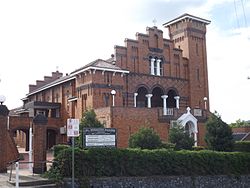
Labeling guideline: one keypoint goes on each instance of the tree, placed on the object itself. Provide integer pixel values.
(88, 120)
(218, 135)
(240, 123)
(181, 138)
(145, 138)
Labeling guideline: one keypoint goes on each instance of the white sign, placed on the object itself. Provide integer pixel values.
(73, 127)
(99, 137)
(100, 140)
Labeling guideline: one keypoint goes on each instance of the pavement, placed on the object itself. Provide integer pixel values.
(24, 173)
(4, 177)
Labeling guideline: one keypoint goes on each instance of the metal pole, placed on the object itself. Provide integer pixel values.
(73, 162)
(30, 149)
(113, 97)
(17, 174)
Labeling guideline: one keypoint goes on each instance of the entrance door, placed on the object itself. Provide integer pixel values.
(51, 138)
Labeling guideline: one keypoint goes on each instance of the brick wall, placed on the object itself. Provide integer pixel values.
(8, 151)
(241, 129)
(130, 120)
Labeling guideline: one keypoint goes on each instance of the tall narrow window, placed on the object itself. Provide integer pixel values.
(161, 68)
(151, 65)
(107, 77)
(155, 41)
(155, 67)
(197, 49)
(198, 74)
(106, 99)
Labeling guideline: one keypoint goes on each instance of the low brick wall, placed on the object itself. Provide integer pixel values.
(222, 181)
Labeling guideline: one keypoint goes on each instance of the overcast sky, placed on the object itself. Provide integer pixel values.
(41, 36)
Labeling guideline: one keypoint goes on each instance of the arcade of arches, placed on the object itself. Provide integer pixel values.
(157, 98)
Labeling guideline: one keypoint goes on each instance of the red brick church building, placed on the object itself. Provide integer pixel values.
(150, 81)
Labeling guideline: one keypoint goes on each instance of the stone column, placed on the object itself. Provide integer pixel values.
(40, 138)
(152, 66)
(149, 99)
(195, 139)
(164, 97)
(158, 73)
(177, 100)
(135, 95)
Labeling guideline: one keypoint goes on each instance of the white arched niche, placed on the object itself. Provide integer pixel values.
(189, 122)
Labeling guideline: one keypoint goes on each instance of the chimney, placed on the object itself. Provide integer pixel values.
(32, 88)
(56, 75)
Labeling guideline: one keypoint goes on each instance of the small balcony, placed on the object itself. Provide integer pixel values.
(174, 114)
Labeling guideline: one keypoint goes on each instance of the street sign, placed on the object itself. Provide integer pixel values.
(73, 131)
(72, 127)
(99, 137)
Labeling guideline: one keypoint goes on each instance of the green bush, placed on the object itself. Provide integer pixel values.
(58, 148)
(242, 146)
(136, 162)
(145, 138)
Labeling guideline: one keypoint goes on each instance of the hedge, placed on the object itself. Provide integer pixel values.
(135, 162)
(242, 146)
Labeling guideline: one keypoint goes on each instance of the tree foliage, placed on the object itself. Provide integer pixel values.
(88, 120)
(145, 138)
(218, 135)
(181, 138)
(240, 123)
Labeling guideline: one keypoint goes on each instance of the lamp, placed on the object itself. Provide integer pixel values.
(113, 92)
(205, 102)
(2, 99)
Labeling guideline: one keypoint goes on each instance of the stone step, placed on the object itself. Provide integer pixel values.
(33, 181)
(42, 186)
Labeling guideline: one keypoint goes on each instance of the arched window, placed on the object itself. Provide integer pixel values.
(197, 49)
(155, 66)
(156, 98)
(156, 41)
(141, 98)
(189, 128)
(171, 103)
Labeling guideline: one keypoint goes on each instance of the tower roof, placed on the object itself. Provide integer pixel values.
(186, 16)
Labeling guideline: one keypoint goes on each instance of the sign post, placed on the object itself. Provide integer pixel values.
(73, 131)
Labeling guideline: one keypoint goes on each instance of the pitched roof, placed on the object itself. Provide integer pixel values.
(51, 84)
(240, 136)
(99, 63)
(184, 16)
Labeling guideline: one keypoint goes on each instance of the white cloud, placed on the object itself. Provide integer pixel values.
(228, 70)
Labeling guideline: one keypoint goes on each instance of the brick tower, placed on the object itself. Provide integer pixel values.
(189, 34)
